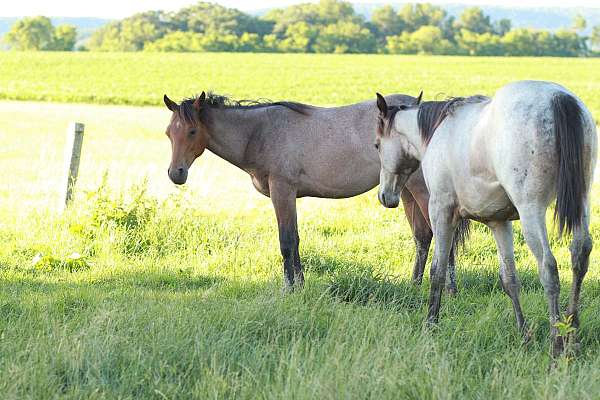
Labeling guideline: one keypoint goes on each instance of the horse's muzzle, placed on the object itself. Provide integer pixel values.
(389, 200)
(178, 175)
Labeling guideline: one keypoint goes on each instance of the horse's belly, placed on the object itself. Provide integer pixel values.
(489, 203)
(339, 191)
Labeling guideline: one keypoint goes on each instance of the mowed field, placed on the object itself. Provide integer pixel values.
(146, 290)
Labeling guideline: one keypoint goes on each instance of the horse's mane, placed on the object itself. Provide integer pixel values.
(188, 113)
(432, 113)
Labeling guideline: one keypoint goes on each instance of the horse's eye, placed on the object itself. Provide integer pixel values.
(192, 132)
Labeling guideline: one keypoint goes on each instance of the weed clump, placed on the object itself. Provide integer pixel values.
(48, 263)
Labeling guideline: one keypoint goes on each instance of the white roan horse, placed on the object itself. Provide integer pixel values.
(495, 160)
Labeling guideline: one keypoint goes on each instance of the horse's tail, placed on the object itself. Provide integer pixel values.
(571, 185)
(461, 234)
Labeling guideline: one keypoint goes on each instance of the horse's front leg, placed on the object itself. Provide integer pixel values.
(421, 233)
(443, 228)
(283, 196)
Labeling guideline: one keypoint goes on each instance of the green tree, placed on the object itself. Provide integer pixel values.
(333, 11)
(130, 34)
(415, 16)
(430, 40)
(38, 33)
(345, 37)
(569, 44)
(142, 28)
(177, 41)
(31, 33)
(425, 40)
(387, 21)
(400, 44)
(282, 18)
(65, 37)
(502, 27)
(206, 17)
(249, 42)
(108, 38)
(519, 42)
(479, 44)
(299, 38)
(473, 19)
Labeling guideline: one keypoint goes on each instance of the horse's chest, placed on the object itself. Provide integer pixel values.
(260, 182)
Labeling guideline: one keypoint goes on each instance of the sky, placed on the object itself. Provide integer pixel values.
(124, 8)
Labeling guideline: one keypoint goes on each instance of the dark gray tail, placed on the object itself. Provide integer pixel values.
(461, 234)
(571, 185)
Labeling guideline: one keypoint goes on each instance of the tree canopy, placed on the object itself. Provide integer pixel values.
(38, 33)
(329, 26)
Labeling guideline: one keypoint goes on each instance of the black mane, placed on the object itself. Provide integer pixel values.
(213, 100)
(432, 113)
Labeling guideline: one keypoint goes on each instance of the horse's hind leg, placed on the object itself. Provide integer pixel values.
(503, 233)
(581, 247)
(421, 233)
(533, 223)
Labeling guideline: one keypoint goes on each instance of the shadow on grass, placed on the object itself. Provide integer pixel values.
(360, 283)
(487, 280)
(167, 281)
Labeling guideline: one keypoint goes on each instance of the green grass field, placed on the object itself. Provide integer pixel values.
(144, 290)
(143, 78)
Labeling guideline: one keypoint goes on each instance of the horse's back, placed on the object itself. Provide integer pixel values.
(329, 152)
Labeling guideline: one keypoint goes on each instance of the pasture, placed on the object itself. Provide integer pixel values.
(145, 290)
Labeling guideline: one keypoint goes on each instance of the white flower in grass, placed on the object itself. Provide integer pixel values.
(38, 257)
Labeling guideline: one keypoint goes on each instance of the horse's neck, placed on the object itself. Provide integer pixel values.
(410, 128)
(230, 131)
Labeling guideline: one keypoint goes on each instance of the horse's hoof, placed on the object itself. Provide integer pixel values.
(299, 281)
(558, 346)
(288, 287)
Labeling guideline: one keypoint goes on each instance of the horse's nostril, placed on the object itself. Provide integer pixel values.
(180, 170)
(383, 197)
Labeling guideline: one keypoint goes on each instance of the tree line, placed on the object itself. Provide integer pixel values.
(330, 26)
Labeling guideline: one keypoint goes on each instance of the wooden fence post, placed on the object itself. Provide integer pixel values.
(72, 158)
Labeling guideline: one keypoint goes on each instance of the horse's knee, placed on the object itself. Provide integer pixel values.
(549, 275)
(423, 236)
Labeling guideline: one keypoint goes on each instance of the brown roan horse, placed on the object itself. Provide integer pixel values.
(292, 150)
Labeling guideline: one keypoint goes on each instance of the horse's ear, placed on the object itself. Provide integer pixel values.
(199, 102)
(171, 105)
(420, 98)
(382, 104)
